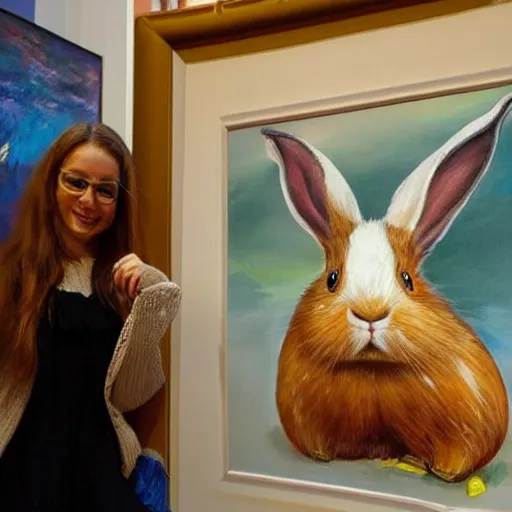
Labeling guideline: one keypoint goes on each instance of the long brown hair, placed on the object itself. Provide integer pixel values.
(32, 258)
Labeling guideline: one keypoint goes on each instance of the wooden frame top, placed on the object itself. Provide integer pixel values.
(208, 31)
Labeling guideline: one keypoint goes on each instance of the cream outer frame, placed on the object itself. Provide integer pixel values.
(450, 53)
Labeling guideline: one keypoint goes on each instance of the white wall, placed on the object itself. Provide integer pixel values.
(106, 28)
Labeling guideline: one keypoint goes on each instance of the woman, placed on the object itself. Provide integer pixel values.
(81, 318)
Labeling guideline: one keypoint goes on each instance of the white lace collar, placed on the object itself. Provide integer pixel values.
(77, 277)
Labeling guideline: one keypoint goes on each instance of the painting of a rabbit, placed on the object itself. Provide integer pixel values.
(362, 351)
(375, 362)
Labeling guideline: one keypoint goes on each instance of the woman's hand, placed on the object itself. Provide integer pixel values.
(126, 274)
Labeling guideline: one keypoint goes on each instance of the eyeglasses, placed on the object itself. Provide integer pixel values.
(106, 191)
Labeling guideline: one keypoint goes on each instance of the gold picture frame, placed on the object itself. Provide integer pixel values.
(222, 30)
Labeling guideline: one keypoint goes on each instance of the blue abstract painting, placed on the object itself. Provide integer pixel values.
(23, 8)
(288, 318)
(46, 85)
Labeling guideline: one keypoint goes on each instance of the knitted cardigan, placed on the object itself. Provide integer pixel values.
(135, 373)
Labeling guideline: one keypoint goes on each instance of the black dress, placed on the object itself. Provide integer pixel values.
(64, 456)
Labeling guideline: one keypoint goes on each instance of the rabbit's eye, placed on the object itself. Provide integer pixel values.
(332, 280)
(407, 279)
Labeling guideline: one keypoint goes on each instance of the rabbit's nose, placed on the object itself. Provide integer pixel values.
(371, 316)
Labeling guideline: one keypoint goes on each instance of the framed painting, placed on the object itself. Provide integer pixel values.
(46, 84)
(344, 341)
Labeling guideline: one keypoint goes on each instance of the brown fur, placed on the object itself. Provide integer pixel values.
(333, 406)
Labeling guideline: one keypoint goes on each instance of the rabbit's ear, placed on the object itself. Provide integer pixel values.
(431, 197)
(312, 186)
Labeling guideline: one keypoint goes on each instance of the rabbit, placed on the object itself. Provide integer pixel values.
(375, 364)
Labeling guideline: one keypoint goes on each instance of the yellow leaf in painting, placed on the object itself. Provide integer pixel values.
(404, 466)
(389, 463)
(411, 469)
(475, 487)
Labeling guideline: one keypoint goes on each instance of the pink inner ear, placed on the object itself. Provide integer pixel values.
(452, 183)
(306, 185)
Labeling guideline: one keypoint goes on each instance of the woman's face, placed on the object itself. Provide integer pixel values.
(87, 193)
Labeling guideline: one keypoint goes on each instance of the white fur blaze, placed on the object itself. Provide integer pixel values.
(370, 268)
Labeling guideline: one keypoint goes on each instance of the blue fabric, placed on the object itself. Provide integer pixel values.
(152, 483)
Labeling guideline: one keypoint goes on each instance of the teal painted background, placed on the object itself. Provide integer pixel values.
(272, 260)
